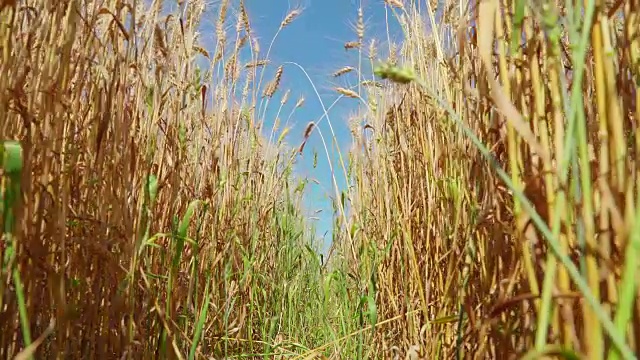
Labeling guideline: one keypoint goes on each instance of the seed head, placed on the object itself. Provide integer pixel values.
(370, 83)
(360, 25)
(395, 3)
(347, 92)
(285, 97)
(344, 70)
(290, 17)
(257, 63)
(272, 87)
(351, 45)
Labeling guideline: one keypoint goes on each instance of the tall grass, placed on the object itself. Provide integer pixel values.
(495, 202)
(147, 216)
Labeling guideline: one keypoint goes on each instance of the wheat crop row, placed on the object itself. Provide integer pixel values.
(150, 208)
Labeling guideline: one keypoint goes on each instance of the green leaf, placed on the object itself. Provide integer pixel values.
(372, 312)
(395, 73)
(12, 158)
(152, 188)
(518, 19)
(186, 219)
(201, 320)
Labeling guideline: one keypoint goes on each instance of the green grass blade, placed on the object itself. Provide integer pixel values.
(201, 320)
(12, 164)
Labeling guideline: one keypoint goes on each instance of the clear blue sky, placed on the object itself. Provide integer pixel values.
(315, 40)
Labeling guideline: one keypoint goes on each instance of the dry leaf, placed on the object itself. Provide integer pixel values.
(31, 349)
(412, 353)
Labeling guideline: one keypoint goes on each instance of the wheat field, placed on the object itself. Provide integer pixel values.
(149, 213)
